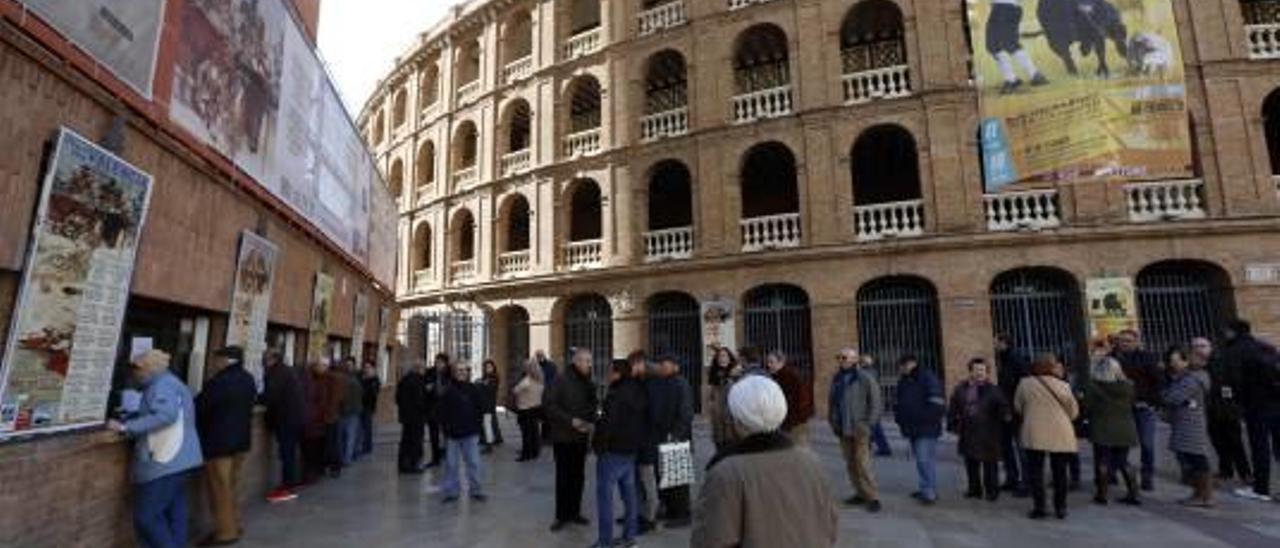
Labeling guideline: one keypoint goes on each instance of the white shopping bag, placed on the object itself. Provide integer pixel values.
(675, 464)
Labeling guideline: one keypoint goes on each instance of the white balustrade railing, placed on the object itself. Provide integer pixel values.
(469, 91)
(665, 16)
(582, 143)
(463, 270)
(424, 194)
(430, 110)
(421, 279)
(513, 262)
(466, 176)
(766, 103)
(771, 232)
(881, 83)
(1029, 210)
(516, 162)
(582, 44)
(1165, 200)
(517, 70)
(739, 4)
(891, 220)
(584, 254)
(670, 243)
(1264, 41)
(664, 124)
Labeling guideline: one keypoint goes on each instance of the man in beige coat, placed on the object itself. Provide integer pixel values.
(763, 491)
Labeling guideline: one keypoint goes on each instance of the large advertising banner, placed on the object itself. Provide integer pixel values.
(1113, 306)
(321, 314)
(251, 300)
(123, 35)
(359, 318)
(1073, 90)
(67, 323)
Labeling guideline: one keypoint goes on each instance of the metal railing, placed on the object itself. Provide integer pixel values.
(670, 243)
(1165, 200)
(664, 16)
(671, 123)
(517, 70)
(466, 176)
(584, 254)
(469, 91)
(582, 143)
(581, 44)
(1029, 210)
(771, 232)
(766, 103)
(519, 161)
(881, 83)
(891, 220)
(514, 262)
(463, 270)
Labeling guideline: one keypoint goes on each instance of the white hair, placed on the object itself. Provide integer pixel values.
(757, 404)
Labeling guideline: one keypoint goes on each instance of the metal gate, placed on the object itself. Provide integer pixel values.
(517, 351)
(898, 316)
(1179, 300)
(1040, 310)
(776, 317)
(588, 323)
(675, 327)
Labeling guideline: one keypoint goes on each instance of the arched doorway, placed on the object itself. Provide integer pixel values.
(515, 351)
(675, 328)
(1182, 299)
(898, 316)
(776, 317)
(1040, 310)
(588, 323)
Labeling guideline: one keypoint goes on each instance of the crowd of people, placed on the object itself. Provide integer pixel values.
(321, 420)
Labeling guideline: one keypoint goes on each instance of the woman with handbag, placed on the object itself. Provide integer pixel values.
(528, 399)
(1048, 408)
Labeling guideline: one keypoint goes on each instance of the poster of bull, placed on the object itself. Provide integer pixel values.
(251, 300)
(123, 35)
(62, 344)
(1077, 90)
(1113, 306)
(321, 316)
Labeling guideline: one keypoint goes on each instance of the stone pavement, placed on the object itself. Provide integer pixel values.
(372, 506)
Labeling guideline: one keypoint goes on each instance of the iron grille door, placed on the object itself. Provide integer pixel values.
(588, 324)
(1040, 310)
(675, 327)
(517, 344)
(1177, 302)
(897, 317)
(776, 317)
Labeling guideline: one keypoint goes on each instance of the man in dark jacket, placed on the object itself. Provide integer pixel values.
(620, 435)
(352, 408)
(570, 404)
(1222, 409)
(1143, 368)
(549, 374)
(286, 417)
(671, 413)
(411, 406)
(921, 406)
(460, 412)
(1258, 365)
(437, 377)
(317, 395)
(1011, 367)
(370, 388)
(224, 420)
(799, 395)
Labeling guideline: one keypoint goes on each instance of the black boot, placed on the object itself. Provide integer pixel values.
(1131, 486)
(1100, 485)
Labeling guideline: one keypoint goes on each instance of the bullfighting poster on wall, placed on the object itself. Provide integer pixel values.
(1078, 90)
(359, 317)
(62, 344)
(123, 35)
(321, 314)
(717, 327)
(251, 300)
(1113, 306)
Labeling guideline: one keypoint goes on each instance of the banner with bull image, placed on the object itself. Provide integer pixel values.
(1075, 90)
(62, 345)
(1113, 306)
(251, 300)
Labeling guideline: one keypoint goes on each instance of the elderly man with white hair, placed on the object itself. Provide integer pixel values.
(763, 491)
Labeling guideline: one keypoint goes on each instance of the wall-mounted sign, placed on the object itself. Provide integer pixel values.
(251, 300)
(1113, 306)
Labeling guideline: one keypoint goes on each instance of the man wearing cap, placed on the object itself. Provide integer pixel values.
(763, 490)
(224, 418)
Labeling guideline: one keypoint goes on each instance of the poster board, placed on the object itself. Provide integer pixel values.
(122, 35)
(251, 300)
(384, 326)
(63, 340)
(717, 328)
(1112, 306)
(321, 316)
(359, 317)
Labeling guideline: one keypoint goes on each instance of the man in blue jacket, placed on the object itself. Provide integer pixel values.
(921, 406)
(224, 417)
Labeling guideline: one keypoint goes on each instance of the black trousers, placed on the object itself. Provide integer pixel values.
(1264, 440)
(411, 434)
(984, 477)
(530, 437)
(1058, 463)
(1228, 443)
(437, 441)
(675, 501)
(571, 473)
(313, 458)
(1012, 456)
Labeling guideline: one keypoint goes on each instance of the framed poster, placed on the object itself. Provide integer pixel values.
(66, 328)
(384, 325)
(717, 328)
(321, 314)
(251, 300)
(1113, 306)
(359, 318)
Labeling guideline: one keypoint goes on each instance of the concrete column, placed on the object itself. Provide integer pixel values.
(624, 210)
(628, 332)
(820, 214)
(544, 227)
(952, 191)
(811, 77)
(833, 326)
(1241, 188)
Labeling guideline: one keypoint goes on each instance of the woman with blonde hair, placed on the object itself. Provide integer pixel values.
(1108, 403)
(528, 396)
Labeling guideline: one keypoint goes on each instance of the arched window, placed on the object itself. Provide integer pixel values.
(588, 324)
(465, 146)
(400, 108)
(464, 236)
(1182, 299)
(769, 181)
(1039, 310)
(584, 104)
(898, 316)
(516, 216)
(872, 37)
(517, 37)
(517, 120)
(395, 182)
(675, 329)
(379, 128)
(666, 83)
(429, 84)
(422, 248)
(426, 164)
(776, 317)
(584, 15)
(761, 59)
(1271, 125)
(586, 212)
(469, 63)
(670, 196)
(885, 166)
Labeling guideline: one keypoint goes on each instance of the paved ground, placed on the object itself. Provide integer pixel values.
(372, 506)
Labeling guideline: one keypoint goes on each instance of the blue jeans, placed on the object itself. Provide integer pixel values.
(611, 469)
(456, 450)
(160, 512)
(366, 434)
(1145, 418)
(880, 440)
(926, 453)
(349, 432)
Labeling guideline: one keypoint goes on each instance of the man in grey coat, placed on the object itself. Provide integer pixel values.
(855, 408)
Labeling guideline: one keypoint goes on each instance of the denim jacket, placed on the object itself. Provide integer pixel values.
(164, 430)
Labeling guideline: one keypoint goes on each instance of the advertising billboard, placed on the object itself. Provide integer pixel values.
(123, 35)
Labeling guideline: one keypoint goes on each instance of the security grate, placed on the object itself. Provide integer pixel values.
(1040, 310)
(675, 327)
(776, 317)
(898, 316)
(1179, 300)
(588, 323)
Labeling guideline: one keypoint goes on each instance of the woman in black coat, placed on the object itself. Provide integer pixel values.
(489, 383)
(977, 413)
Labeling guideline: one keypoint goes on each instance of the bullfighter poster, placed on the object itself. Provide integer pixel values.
(384, 326)
(66, 329)
(251, 300)
(359, 317)
(122, 35)
(1078, 90)
(1113, 306)
(717, 327)
(321, 314)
